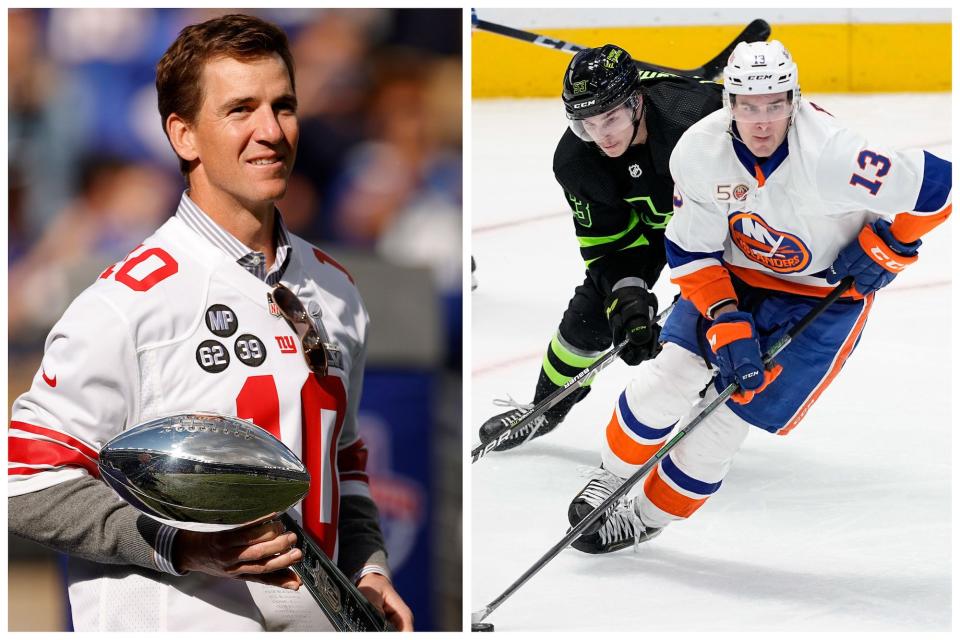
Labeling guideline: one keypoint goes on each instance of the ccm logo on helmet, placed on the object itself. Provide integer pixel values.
(778, 251)
(581, 105)
(760, 76)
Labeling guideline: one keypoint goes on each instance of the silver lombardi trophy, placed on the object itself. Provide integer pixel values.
(207, 472)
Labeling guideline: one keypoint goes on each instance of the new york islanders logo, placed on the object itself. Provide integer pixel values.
(778, 251)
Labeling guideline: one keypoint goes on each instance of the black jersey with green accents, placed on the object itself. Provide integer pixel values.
(621, 206)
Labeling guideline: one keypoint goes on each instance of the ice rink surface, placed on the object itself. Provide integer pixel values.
(842, 525)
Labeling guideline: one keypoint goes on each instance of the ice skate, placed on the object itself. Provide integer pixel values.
(601, 486)
(492, 428)
(618, 529)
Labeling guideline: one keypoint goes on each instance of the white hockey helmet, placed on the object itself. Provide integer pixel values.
(760, 68)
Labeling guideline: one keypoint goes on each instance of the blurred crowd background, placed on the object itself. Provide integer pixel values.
(378, 182)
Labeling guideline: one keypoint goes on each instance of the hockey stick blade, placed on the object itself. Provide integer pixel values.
(556, 396)
(638, 475)
(754, 32)
(478, 615)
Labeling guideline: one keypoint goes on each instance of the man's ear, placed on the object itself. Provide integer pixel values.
(182, 138)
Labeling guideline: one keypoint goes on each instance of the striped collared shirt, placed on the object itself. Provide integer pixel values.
(253, 261)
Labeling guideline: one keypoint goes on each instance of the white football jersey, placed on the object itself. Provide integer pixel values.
(175, 327)
(780, 225)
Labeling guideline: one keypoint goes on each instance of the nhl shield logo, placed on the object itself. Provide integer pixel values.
(635, 171)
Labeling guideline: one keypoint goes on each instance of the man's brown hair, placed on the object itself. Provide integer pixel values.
(179, 72)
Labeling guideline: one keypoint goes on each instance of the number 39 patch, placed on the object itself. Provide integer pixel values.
(212, 356)
(250, 350)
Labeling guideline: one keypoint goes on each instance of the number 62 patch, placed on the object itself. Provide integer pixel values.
(212, 356)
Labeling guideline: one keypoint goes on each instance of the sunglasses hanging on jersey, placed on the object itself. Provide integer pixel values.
(293, 311)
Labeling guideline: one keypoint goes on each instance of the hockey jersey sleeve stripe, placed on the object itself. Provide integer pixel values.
(706, 287)
(909, 228)
(702, 277)
(838, 362)
(46, 452)
(59, 436)
(937, 183)
(679, 258)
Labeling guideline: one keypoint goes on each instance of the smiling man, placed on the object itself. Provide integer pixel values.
(192, 320)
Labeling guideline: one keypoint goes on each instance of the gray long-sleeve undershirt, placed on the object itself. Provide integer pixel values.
(85, 518)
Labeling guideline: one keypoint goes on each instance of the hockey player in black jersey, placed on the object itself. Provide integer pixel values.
(613, 165)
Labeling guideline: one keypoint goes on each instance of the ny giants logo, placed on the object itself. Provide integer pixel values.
(287, 344)
(778, 251)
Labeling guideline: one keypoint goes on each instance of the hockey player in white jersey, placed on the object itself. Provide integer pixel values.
(774, 203)
(192, 321)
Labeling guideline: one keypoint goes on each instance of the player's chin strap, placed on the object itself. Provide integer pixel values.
(639, 118)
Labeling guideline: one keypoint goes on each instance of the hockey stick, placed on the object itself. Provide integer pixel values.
(757, 30)
(768, 358)
(556, 396)
(342, 603)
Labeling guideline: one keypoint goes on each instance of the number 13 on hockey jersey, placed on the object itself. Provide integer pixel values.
(882, 164)
(322, 408)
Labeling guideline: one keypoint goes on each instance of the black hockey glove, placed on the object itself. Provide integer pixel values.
(631, 312)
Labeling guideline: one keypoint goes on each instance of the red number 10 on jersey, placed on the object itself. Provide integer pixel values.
(322, 406)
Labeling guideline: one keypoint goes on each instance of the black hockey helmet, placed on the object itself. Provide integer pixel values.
(598, 80)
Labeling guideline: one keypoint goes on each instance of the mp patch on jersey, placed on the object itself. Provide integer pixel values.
(758, 241)
(221, 320)
(250, 350)
(212, 356)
